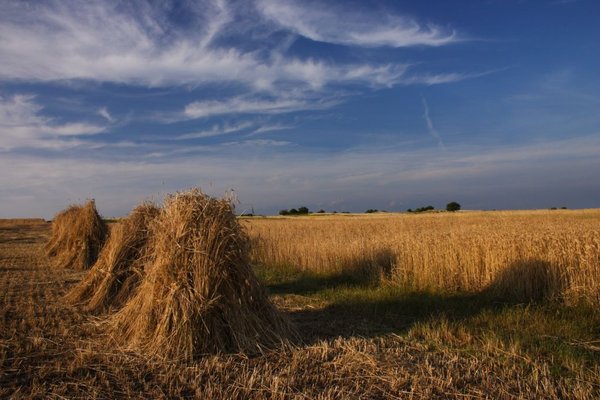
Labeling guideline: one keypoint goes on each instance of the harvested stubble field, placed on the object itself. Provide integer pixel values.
(470, 305)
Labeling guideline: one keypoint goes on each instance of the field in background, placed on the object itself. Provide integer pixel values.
(522, 255)
(387, 306)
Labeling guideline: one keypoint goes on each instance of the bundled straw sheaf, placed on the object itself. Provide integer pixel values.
(199, 294)
(120, 266)
(78, 234)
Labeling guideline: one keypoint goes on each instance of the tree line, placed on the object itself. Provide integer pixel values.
(451, 207)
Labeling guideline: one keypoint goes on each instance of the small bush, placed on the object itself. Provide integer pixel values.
(423, 209)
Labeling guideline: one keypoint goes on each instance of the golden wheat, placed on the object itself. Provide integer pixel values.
(523, 255)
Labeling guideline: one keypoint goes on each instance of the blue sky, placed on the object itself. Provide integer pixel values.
(340, 105)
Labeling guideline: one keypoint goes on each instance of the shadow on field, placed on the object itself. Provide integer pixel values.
(364, 272)
(362, 307)
(373, 317)
(528, 280)
(311, 284)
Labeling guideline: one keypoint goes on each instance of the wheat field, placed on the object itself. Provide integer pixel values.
(386, 307)
(522, 255)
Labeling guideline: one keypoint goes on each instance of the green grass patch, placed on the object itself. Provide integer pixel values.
(567, 337)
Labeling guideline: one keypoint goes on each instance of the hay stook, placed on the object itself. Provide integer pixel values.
(120, 266)
(199, 294)
(78, 234)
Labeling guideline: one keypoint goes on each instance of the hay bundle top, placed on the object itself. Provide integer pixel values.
(120, 266)
(199, 294)
(78, 234)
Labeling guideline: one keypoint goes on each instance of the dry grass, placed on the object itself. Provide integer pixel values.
(373, 342)
(517, 255)
(120, 265)
(78, 234)
(199, 294)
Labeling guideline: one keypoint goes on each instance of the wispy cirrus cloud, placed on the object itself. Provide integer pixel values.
(431, 79)
(265, 128)
(249, 128)
(430, 128)
(218, 44)
(249, 105)
(103, 112)
(110, 41)
(22, 125)
(336, 24)
(217, 130)
(141, 45)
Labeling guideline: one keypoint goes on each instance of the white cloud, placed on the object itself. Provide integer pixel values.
(115, 42)
(139, 45)
(324, 23)
(71, 129)
(217, 43)
(272, 128)
(246, 105)
(266, 174)
(219, 18)
(252, 127)
(23, 126)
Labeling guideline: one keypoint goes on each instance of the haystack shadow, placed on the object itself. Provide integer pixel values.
(399, 310)
(528, 280)
(366, 271)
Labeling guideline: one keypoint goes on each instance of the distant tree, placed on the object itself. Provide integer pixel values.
(426, 208)
(452, 206)
(284, 212)
(321, 211)
(563, 208)
(303, 210)
(409, 210)
(293, 211)
(371, 210)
